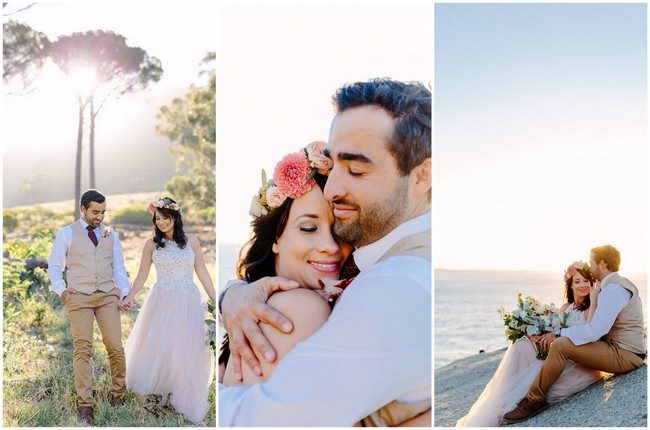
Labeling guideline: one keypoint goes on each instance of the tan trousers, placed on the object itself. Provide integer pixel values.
(82, 311)
(600, 355)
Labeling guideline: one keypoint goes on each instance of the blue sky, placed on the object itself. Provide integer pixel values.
(540, 134)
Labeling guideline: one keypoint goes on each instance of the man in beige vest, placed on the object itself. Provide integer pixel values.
(96, 283)
(613, 341)
(372, 357)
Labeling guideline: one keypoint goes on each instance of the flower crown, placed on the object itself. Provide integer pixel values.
(293, 176)
(164, 202)
(573, 269)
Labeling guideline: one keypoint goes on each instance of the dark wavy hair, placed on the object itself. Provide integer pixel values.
(256, 258)
(568, 291)
(178, 235)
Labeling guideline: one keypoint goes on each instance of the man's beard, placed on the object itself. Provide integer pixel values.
(376, 220)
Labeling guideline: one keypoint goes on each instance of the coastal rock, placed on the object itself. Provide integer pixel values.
(616, 401)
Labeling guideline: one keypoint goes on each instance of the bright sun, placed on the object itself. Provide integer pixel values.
(83, 79)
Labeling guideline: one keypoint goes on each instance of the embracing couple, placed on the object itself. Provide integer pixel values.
(605, 334)
(338, 275)
(166, 352)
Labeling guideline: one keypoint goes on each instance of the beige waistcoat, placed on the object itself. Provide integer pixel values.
(627, 331)
(90, 267)
(395, 413)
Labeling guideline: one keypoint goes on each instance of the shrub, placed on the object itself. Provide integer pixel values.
(10, 221)
(134, 214)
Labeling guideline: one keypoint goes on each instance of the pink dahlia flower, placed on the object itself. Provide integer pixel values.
(291, 173)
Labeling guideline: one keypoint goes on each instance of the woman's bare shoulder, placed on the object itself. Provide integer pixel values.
(564, 307)
(304, 307)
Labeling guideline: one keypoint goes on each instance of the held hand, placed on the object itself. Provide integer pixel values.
(546, 340)
(594, 292)
(243, 307)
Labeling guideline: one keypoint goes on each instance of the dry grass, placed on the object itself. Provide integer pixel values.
(38, 382)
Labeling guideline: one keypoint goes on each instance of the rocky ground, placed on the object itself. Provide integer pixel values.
(617, 401)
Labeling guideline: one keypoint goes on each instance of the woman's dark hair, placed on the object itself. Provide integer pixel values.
(178, 235)
(256, 258)
(568, 292)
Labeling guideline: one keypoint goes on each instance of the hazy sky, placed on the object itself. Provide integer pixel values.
(540, 134)
(40, 128)
(275, 78)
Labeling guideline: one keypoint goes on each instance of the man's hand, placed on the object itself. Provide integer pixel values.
(243, 307)
(65, 295)
(125, 304)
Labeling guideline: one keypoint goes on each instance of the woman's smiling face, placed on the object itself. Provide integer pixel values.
(307, 251)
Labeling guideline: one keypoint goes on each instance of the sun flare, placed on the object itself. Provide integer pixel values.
(83, 79)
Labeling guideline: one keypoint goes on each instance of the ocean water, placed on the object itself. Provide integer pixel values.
(466, 304)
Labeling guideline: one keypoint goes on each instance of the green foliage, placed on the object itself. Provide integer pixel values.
(36, 220)
(134, 214)
(189, 122)
(40, 246)
(9, 221)
(25, 50)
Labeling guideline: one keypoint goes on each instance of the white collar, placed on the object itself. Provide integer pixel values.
(366, 256)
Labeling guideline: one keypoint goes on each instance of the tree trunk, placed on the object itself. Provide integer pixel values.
(77, 183)
(92, 143)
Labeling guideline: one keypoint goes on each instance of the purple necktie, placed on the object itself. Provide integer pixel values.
(91, 235)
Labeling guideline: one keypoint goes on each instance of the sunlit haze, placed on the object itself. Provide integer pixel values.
(540, 137)
(40, 128)
(275, 79)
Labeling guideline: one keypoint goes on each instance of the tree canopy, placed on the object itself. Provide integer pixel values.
(189, 122)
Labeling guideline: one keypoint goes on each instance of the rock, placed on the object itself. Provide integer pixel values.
(616, 401)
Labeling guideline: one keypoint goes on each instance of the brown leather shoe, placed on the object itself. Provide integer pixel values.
(86, 415)
(116, 401)
(524, 410)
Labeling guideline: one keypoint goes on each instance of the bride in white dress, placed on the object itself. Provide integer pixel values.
(519, 366)
(166, 353)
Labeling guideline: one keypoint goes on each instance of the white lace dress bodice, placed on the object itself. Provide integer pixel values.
(174, 267)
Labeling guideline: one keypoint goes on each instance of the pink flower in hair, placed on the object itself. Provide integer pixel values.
(316, 157)
(274, 198)
(291, 175)
(571, 271)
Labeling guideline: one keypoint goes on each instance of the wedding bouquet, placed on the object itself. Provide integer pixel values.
(210, 334)
(532, 317)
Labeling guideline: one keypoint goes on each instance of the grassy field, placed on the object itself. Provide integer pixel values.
(38, 381)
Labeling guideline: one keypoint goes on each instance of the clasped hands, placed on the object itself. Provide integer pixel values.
(126, 303)
(544, 340)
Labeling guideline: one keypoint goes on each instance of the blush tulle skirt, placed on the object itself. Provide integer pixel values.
(512, 380)
(166, 351)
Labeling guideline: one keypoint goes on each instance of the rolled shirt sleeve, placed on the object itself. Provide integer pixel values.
(374, 348)
(119, 269)
(611, 301)
(56, 262)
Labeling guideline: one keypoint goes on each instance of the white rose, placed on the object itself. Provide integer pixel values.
(257, 209)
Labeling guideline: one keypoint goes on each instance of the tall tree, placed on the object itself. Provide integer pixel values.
(25, 50)
(117, 69)
(189, 122)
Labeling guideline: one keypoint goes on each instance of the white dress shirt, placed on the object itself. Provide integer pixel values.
(374, 348)
(56, 262)
(611, 301)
